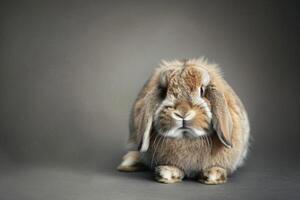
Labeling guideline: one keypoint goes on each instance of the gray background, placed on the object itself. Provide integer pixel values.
(70, 71)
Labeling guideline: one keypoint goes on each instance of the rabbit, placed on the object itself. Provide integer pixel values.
(187, 122)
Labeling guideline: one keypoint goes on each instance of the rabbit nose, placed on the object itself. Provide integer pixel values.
(178, 115)
(184, 116)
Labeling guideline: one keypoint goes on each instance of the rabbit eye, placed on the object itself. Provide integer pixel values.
(202, 90)
(162, 92)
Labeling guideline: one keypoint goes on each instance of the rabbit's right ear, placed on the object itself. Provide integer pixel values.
(142, 117)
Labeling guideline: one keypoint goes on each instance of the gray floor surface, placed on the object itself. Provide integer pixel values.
(36, 182)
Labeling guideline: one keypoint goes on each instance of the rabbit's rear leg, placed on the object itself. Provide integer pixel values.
(131, 162)
(168, 174)
(213, 175)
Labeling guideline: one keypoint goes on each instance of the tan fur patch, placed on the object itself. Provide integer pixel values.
(192, 78)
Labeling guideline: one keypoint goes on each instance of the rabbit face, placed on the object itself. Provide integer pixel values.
(185, 111)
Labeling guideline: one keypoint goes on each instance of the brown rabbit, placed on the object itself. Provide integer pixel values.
(187, 122)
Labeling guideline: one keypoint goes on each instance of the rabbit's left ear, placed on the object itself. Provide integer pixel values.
(221, 118)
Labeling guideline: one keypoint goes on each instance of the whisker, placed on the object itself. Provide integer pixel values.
(160, 144)
(210, 143)
(155, 149)
(156, 136)
(204, 140)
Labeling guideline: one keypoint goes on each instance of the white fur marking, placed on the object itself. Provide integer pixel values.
(190, 115)
(130, 159)
(174, 133)
(200, 132)
(146, 136)
(178, 132)
(166, 174)
(128, 162)
(213, 176)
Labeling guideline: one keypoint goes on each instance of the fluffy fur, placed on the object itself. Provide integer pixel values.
(188, 120)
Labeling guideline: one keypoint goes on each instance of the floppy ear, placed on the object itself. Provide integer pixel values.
(151, 102)
(221, 118)
(142, 114)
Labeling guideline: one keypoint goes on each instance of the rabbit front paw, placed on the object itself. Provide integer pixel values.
(213, 176)
(168, 174)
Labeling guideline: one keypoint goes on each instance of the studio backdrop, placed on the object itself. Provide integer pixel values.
(70, 71)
